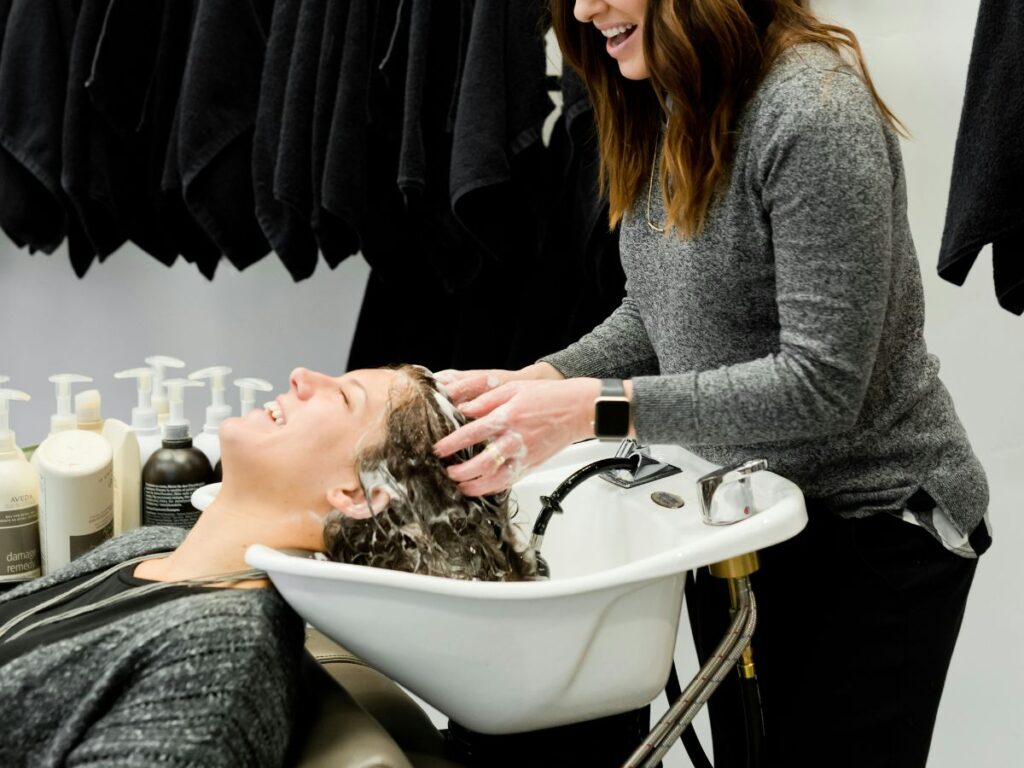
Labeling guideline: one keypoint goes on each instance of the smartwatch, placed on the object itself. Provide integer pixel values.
(612, 411)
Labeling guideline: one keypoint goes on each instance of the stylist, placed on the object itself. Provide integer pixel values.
(774, 309)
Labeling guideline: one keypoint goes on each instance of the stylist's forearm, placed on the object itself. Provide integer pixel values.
(541, 371)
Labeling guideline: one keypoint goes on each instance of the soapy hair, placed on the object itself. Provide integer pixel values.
(428, 526)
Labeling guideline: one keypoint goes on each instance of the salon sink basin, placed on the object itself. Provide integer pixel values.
(594, 640)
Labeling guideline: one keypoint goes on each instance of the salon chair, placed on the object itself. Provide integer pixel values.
(352, 716)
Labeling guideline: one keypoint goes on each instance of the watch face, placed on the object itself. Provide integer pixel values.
(611, 417)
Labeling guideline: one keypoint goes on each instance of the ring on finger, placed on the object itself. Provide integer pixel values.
(496, 455)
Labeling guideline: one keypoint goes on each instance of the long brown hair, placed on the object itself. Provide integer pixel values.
(707, 56)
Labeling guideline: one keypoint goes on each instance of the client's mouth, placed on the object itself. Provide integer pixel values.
(273, 410)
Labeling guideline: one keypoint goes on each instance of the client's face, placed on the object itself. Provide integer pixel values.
(310, 449)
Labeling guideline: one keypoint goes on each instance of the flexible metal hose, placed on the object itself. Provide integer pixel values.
(681, 713)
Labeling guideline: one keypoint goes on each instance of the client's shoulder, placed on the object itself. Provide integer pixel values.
(230, 621)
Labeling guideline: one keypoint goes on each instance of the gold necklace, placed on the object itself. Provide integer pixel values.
(650, 190)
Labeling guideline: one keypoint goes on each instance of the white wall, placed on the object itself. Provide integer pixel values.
(262, 324)
(258, 321)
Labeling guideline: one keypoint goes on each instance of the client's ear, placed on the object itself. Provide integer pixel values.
(351, 501)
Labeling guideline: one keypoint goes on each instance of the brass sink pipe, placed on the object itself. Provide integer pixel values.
(729, 651)
(736, 571)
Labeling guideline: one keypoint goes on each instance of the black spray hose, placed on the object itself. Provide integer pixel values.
(752, 720)
(553, 503)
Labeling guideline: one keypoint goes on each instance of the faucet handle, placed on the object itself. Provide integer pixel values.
(710, 483)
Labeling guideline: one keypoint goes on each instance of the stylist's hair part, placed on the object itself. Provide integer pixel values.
(706, 57)
(428, 525)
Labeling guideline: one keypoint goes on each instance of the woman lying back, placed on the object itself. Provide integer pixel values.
(160, 647)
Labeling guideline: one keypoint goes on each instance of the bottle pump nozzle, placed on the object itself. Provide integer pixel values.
(143, 415)
(89, 410)
(64, 419)
(250, 387)
(160, 364)
(6, 433)
(4, 379)
(217, 410)
(177, 426)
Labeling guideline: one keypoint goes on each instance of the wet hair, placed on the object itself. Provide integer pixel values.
(429, 526)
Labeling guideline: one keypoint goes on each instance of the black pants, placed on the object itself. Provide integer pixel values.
(857, 620)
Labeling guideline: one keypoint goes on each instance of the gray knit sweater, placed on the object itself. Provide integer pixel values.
(204, 680)
(791, 327)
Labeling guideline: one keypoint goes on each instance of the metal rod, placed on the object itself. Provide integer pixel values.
(685, 708)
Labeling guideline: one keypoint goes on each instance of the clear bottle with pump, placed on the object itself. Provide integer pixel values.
(177, 470)
(125, 447)
(19, 502)
(208, 441)
(160, 364)
(144, 420)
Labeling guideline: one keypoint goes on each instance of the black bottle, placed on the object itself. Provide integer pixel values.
(218, 473)
(170, 477)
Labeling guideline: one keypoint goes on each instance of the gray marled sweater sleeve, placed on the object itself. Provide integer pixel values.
(617, 348)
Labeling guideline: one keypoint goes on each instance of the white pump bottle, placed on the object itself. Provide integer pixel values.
(160, 364)
(4, 380)
(249, 387)
(144, 419)
(126, 457)
(208, 441)
(19, 502)
(63, 420)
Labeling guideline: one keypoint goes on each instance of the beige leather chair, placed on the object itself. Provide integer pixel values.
(352, 716)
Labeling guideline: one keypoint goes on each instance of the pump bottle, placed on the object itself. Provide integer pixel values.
(160, 364)
(4, 380)
(76, 495)
(248, 388)
(144, 423)
(208, 441)
(177, 470)
(63, 419)
(125, 447)
(19, 503)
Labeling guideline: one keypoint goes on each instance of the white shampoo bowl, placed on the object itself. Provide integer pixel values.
(594, 640)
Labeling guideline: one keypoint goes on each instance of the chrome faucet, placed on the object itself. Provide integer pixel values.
(647, 469)
(713, 481)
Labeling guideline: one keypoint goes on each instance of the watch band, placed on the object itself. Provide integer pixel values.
(612, 388)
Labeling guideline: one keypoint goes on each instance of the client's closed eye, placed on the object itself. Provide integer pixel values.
(347, 403)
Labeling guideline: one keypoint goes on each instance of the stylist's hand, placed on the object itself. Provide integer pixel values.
(525, 422)
(463, 386)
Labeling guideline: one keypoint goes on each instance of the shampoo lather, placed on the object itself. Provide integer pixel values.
(19, 503)
(177, 470)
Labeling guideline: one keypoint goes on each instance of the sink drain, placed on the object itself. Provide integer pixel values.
(664, 499)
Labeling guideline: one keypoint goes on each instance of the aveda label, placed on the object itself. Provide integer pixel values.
(19, 542)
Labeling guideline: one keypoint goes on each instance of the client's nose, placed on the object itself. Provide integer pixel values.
(305, 382)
